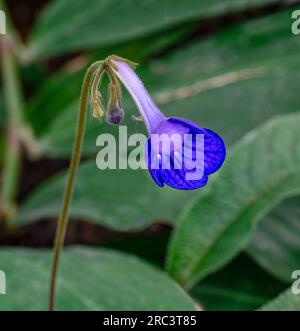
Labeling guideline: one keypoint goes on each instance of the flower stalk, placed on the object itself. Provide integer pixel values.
(75, 159)
(13, 100)
(12, 158)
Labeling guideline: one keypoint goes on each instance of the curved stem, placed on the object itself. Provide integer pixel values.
(97, 80)
(75, 159)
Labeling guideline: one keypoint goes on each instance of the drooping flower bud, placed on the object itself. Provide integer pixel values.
(97, 108)
(115, 115)
(115, 112)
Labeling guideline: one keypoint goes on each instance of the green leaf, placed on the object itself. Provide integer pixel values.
(227, 82)
(119, 199)
(275, 244)
(70, 25)
(287, 301)
(241, 285)
(260, 171)
(150, 246)
(50, 102)
(89, 279)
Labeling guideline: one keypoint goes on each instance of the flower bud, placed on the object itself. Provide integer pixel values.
(115, 115)
(97, 107)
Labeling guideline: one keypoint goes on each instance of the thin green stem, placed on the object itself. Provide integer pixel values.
(75, 159)
(113, 78)
(97, 80)
(10, 177)
(14, 108)
(18, 131)
(20, 51)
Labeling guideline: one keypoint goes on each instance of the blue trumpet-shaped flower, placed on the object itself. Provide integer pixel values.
(179, 153)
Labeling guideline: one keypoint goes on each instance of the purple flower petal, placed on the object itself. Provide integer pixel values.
(214, 155)
(151, 114)
(200, 157)
(214, 147)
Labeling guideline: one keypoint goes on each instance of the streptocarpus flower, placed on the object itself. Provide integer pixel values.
(195, 153)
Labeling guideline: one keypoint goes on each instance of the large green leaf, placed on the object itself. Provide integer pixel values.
(275, 244)
(287, 301)
(69, 25)
(227, 82)
(120, 199)
(89, 279)
(241, 285)
(260, 171)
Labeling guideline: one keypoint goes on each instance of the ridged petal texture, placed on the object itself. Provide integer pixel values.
(213, 151)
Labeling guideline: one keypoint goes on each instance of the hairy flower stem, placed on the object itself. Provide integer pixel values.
(75, 159)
